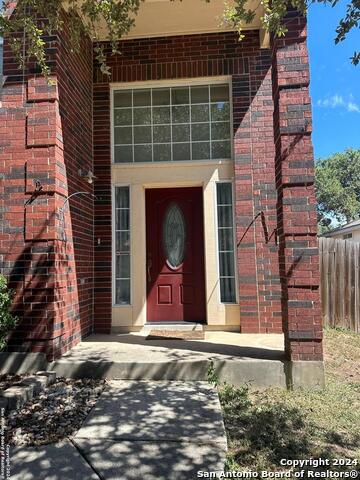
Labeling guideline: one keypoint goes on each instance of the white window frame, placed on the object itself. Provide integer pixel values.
(200, 81)
(113, 246)
(232, 183)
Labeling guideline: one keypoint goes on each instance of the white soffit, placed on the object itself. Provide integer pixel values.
(157, 18)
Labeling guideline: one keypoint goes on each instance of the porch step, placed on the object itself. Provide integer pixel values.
(259, 373)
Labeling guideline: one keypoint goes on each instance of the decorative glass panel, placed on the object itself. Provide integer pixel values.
(123, 116)
(142, 153)
(142, 134)
(142, 98)
(123, 135)
(181, 151)
(220, 112)
(142, 116)
(180, 114)
(122, 246)
(123, 154)
(200, 113)
(200, 94)
(161, 96)
(162, 152)
(162, 134)
(200, 151)
(161, 115)
(219, 93)
(220, 130)
(180, 96)
(181, 133)
(123, 99)
(197, 117)
(200, 131)
(226, 242)
(220, 150)
(174, 236)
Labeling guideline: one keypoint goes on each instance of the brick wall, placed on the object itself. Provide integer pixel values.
(250, 68)
(46, 136)
(269, 296)
(297, 222)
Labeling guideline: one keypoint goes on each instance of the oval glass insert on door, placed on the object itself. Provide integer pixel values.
(174, 236)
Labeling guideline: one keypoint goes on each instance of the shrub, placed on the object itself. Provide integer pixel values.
(7, 320)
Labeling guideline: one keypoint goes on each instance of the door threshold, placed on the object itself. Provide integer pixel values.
(190, 326)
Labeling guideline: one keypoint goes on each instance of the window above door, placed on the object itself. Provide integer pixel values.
(172, 123)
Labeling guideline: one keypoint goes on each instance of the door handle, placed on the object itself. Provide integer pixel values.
(149, 265)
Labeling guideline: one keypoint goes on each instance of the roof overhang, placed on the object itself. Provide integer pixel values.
(343, 230)
(158, 18)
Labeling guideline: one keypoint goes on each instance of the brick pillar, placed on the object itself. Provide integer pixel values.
(45, 137)
(297, 229)
(256, 197)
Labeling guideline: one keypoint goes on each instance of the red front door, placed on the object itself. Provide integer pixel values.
(175, 255)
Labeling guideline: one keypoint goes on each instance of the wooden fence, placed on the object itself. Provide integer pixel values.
(340, 283)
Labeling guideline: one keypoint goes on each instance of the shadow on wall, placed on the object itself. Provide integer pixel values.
(53, 278)
(42, 296)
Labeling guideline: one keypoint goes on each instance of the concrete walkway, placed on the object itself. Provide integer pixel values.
(151, 430)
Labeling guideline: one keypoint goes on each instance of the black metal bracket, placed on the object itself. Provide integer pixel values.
(266, 232)
(37, 191)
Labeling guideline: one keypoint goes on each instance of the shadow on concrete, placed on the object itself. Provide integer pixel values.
(152, 430)
(171, 349)
(132, 357)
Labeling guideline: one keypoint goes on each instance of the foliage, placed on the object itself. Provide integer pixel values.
(34, 19)
(274, 19)
(265, 426)
(338, 187)
(211, 375)
(7, 320)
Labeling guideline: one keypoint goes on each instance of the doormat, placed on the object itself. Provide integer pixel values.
(176, 335)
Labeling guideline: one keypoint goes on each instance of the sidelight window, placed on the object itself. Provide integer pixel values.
(172, 124)
(122, 246)
(226, 243)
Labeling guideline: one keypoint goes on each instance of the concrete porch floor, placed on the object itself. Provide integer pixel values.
(237, 358)
(134, 347)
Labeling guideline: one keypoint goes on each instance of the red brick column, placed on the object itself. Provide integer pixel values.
(45, 137)
(297, 229)
(256, 199)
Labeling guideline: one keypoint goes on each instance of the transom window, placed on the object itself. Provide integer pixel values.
(172, 124)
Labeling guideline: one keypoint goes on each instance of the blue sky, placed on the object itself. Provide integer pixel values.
(335, 82)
